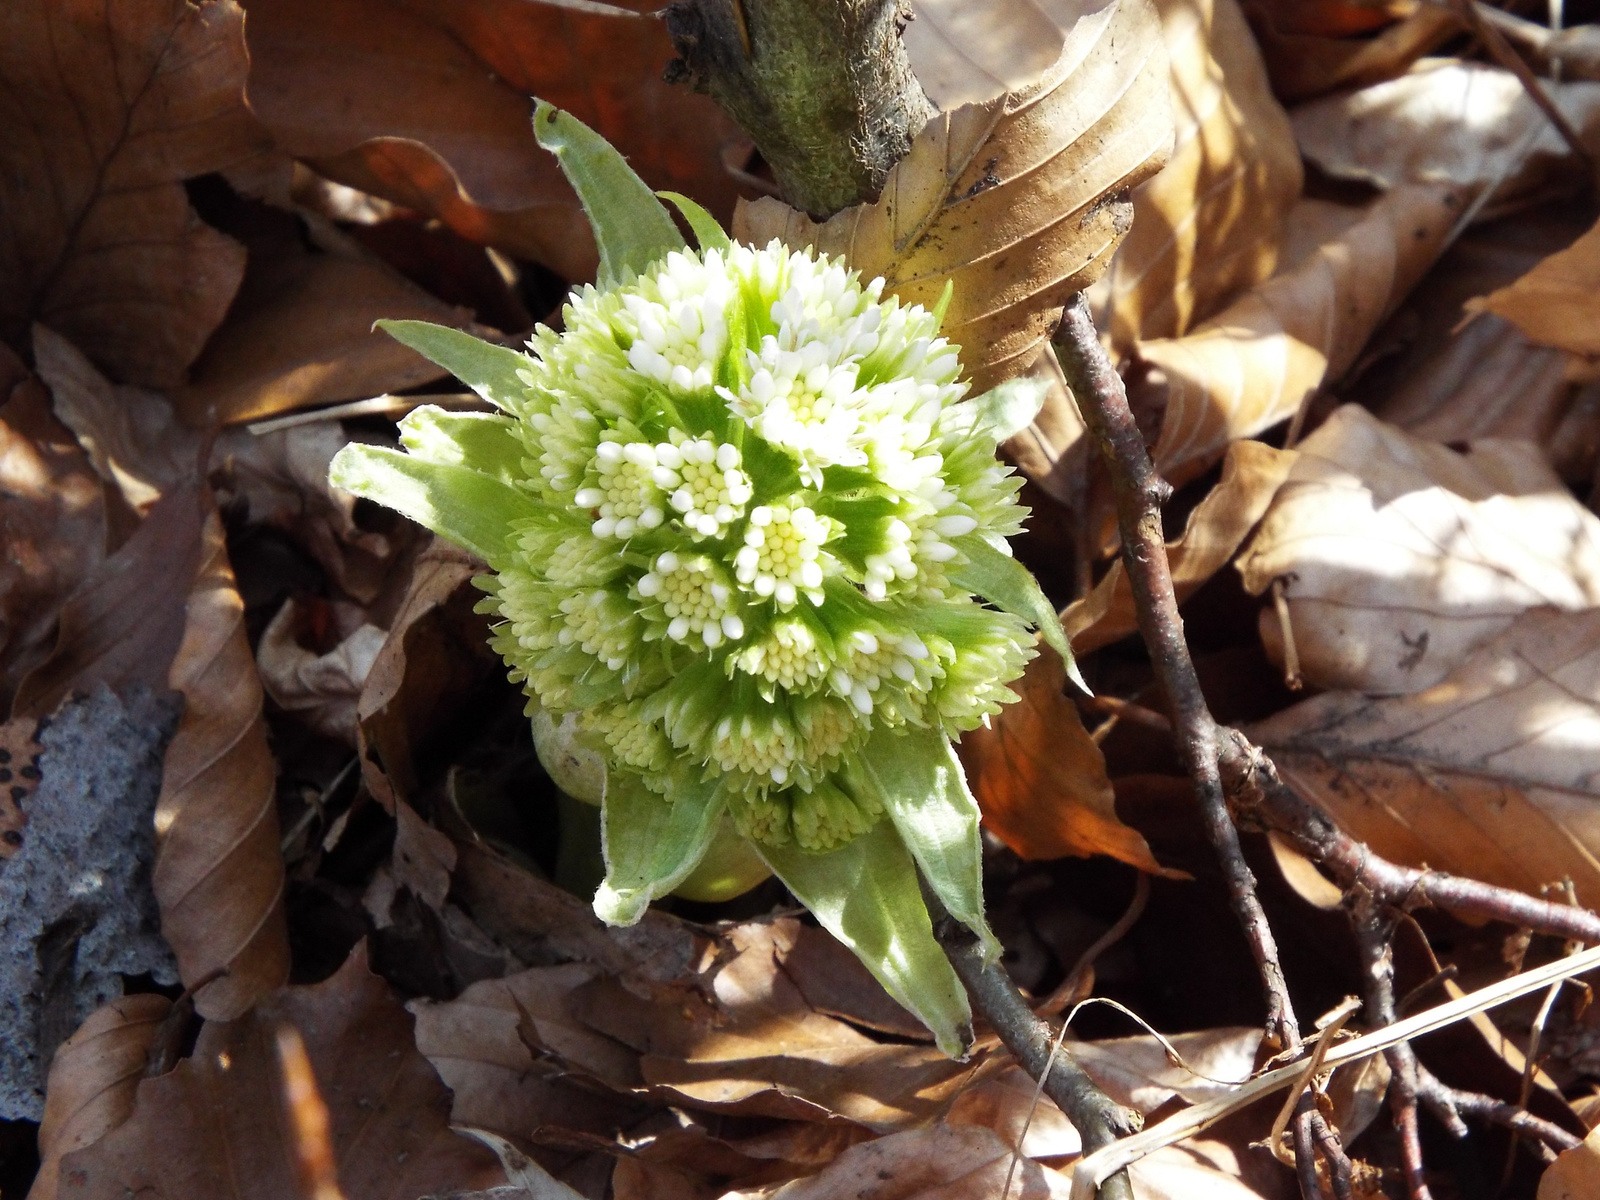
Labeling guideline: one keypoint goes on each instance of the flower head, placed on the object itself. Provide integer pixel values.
(744, 528)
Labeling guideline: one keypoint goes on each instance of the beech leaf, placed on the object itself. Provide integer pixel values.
(1210, 223)
(213, 1128)
(110, 108)
(1013, 200)
(1399, 557)
(1041, 782)
(218, 874)
(93, 1079)
(1490, 773)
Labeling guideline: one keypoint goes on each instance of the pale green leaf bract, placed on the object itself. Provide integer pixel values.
(471, 509)
(915, 775)
(866, 894)
(707, 233)
(486, 442)
(486, 368)
(651, 843)
(632, 228)
(1007, 409)
(1006, 583)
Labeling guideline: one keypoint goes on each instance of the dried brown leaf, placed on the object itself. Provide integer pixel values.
(218, 873)
(427, 104)
(1490, 773)
(125, 623)
(214, 1127)
(435, 656)
(93, 1079)
(300, 332)
(735, 1035)
(1210, 223)
(1305, 62)
(1012, 201)
(1401, 557)
(1558, 302)
(1575, 1175)
(1444, 121)
(1041, 781)
(52, 522)
(484, 1045)
(111, 106)
(19, 760)
(1449, 380)
(1252, 472)
(1255, 363)
(541, 922)
(322, 688)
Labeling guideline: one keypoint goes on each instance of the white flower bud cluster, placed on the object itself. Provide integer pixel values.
(752, 490)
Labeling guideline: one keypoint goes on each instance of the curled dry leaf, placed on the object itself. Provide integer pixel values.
(213, 1128)
(1210, 223)
(300, 332)
(93, 1079)
(322, 688)
(1014, 201)
(128, 432)
(1557, 303)
(218, 873)
(1307, 59)
(123, 625)
(427, 104)
(1255, 363)
(1461, 123)
(1041, 781)
(1575, 1175)
(1490, 774)
(52, 522)
(434, 656)
(111, 106)
(1401, 557)
(1251, 475)
(516, 1059)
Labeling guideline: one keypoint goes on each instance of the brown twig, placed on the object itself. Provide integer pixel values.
(1140, 493)
(1450, 1104)
(1340, 1168)
(1259, 795)
(1374, 930)
(1495, 42)
(1098, 1119)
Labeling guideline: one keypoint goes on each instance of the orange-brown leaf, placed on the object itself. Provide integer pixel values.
(218, 874)
(108, 107)
(1558, 302)
(214, 1128)
(93, 1079)
(1041, 781)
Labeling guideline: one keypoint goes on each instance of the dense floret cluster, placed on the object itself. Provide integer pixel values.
(754, 483)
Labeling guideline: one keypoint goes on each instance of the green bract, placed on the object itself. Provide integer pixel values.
(742, 534)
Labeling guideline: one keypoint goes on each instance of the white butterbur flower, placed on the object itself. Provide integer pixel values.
(782, 554)
(708, 489)
(737, 526)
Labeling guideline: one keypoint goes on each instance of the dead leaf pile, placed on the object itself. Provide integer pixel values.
(260, 772)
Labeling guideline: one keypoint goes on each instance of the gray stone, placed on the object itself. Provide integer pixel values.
(76, 908)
